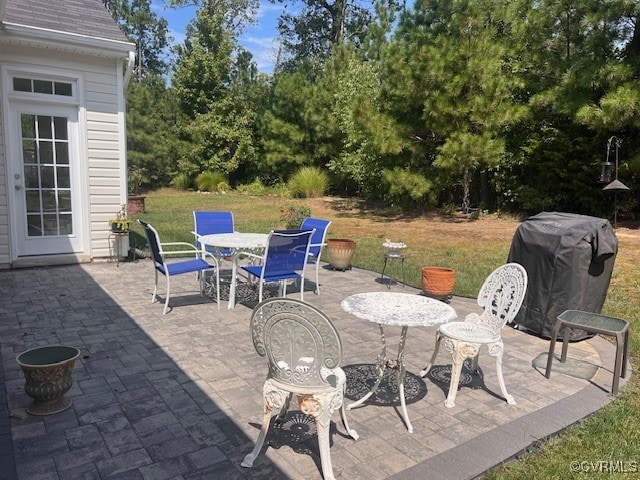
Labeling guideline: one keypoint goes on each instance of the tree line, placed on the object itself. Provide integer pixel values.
(480, 104)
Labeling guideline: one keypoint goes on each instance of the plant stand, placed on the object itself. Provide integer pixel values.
(47, 371)
(392, 257)
(117, 240)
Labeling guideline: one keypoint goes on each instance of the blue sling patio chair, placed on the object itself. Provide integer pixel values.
(211, 222)
(285, 258)
(198, 264)
(317, 242)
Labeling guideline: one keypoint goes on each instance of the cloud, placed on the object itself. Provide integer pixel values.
(264, 50)
(268, 9)
(178, 37)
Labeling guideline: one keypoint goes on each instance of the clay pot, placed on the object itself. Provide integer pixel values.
(340, 252)
(437, 282)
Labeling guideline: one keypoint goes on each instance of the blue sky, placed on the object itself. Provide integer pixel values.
(260, 39)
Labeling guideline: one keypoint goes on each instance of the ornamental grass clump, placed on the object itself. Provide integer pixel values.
(308, 182)
(209, 181)
(182, 181)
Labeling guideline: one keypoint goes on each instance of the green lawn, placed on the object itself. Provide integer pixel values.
(473, 250)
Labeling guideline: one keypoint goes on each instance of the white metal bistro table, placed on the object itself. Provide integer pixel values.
(238, 242)
(396, 309)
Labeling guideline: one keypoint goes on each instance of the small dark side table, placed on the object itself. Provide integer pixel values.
(593, 323)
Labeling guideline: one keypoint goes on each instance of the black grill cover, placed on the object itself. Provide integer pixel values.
(569, 260)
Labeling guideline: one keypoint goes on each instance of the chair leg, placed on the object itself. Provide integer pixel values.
(166, 302)
(218, 287)
(284, 409)
(496, 350)
(266, 419)
(325, 454)
(460, 351)
(425, 370)
(274, 398)
(320, 408)
(318, 276)
(474, 364)
(154, 297)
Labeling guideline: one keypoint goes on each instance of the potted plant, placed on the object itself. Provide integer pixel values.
(121, 223)
(437, 282)
(340, 252)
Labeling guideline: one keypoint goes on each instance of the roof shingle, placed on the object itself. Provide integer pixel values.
(79, 17)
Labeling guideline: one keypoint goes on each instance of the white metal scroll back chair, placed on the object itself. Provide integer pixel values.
(198, 264)
(317, 242)
(284, 259)
(304, 352)
(500, 296)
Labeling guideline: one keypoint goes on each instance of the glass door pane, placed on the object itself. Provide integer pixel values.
(47, 180)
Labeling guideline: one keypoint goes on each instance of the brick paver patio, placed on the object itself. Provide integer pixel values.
(179, 396)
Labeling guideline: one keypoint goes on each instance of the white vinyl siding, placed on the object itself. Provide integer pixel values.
(103, 133)
(4, 205)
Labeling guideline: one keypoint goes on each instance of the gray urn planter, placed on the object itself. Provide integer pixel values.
(47, 371)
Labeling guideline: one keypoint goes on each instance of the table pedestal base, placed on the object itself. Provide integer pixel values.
(382, 363)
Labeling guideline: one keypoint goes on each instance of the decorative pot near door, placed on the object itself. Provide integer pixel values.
(47, 371)
(340, 252)
(437, 282)
(136, 204)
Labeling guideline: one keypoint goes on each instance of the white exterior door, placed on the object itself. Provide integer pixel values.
(45, 179)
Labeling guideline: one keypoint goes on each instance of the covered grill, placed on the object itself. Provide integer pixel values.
(569, 260)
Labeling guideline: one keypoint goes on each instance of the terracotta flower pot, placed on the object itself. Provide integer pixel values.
(340, 252)
(438, 282)
(47, 371)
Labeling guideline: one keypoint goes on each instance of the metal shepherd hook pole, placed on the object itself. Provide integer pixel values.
(616, 185)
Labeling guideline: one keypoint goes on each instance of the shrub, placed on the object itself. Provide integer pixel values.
(208, 181)
(308, 182)
(280, 189)
(254, 188)
(223, 187)
(182, 181)
(449, 209)
(292, 215)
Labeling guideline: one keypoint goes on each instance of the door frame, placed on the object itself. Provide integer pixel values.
(12, 101)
